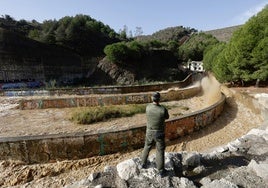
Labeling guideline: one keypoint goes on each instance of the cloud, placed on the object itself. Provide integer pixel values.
(242, 18)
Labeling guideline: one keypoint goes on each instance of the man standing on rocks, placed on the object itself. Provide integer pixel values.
(155, 132)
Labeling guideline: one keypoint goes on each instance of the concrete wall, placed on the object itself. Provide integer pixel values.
(40, 149)
(101, 100)
(99, 90)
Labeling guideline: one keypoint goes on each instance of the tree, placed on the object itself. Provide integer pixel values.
(136, 50)
(123, 33)
(244, 58)
(194, 48)
(117, 52)
(260, 60)
(221, 69)
(211, 54)
(138, 31)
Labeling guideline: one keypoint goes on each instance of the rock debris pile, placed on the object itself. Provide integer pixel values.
(241, 163)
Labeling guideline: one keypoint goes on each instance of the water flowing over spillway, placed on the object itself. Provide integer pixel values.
(236, 120)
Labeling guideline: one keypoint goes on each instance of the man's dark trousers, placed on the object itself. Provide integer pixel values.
(157, 137)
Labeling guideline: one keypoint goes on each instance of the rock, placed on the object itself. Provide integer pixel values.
(259, 132)
(173, 163)
(222, 183)
(222, 149)
(199, 170)
(234, 146)
(191, 159)
(182, 182)
(225, 167)
(255, 145)
(205, 181)
(93, 176)
(209, 156)
(127, 169)
(98, 186)
(120, 182)
(117, 73)
(244, 177)
(111, 169)
(260, 168)
(81, 184)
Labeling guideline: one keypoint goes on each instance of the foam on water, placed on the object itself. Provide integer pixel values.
(211, 90)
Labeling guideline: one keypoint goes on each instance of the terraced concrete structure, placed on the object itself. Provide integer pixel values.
(98, 90)
(101, 100)
(39, 149)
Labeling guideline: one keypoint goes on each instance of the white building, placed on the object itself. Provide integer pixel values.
(196, 66)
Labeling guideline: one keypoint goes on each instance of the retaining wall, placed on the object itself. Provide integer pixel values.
(98, 90)
(100, 100)
(40, 149)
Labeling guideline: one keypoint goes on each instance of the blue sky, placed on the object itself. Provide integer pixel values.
(150, 15)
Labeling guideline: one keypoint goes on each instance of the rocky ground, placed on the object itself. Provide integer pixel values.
(234, 122)
(241, 163)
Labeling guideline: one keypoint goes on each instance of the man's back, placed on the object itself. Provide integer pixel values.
(156, 115)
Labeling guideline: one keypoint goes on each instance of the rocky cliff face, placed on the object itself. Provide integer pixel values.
(25, 59)
(115, 73)
(160, 65)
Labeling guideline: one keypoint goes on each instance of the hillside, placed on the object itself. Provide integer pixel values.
(24, 59)
(223, 34)
(168, 34)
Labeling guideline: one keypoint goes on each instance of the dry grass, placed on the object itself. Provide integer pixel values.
(103, 113)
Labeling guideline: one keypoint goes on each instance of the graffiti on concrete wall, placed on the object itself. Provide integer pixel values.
(56, 147)
(87, 101)
(26, 93)
(205, 118)
(93, 90)
(102, 100)
(138, 98)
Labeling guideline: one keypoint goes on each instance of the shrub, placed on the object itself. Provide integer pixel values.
(117, 52)
(103, 113)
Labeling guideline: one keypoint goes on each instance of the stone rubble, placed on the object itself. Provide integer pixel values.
(241, 163)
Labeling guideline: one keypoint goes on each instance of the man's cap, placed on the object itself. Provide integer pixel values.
(156, 96)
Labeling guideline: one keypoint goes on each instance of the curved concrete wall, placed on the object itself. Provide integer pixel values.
(98, 90)
(100, 100)
(39, 149)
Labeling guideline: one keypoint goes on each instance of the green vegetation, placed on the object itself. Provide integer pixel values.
(88, 115)
(118, 52)
(81, 33)
(245, 57)
(102, 113)
(168, 34)
(134, 51)
(196, 45)
(92, 40)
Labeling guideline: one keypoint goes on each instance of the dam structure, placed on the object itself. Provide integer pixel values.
(52, 147)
